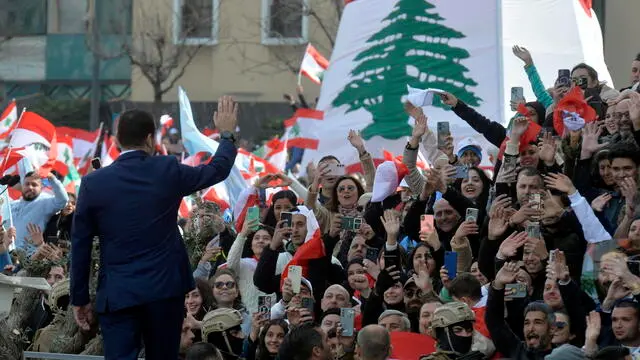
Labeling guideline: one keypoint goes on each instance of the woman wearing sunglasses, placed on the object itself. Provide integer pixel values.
(226, 295)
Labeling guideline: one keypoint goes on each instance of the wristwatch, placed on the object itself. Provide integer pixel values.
(228, 135)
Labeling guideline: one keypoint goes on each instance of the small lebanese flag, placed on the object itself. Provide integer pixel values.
(313, 65)
(248, 198)
(32, 128)
(8, 119)
(302, 117)
(166, 123)
(110, 151)
(218, 194)
(277, 152)
(389, 174)
(185, 207)
(64, 159)
(82, 140)
(46, 168)
(313, 247)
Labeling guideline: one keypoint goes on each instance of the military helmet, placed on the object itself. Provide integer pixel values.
(220, 320)
(59, 290)
(451, 313)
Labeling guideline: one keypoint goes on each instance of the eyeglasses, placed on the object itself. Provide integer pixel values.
(222, 284)
(411, 292)
(560, 324)
(348, 187)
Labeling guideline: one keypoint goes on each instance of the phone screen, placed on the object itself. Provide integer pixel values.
(426, 224)
(287, 217)
(443, 133)
(451, 263)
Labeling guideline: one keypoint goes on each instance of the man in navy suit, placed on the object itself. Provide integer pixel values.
(132, 206)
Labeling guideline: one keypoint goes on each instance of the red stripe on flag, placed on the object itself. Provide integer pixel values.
(304, 143)
(33, 122)
(310, 77)
(304, 113)
(75, 133)
(312, 249)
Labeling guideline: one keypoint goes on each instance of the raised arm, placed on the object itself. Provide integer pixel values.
(368, 167)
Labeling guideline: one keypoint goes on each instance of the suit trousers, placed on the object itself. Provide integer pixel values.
(158, 324)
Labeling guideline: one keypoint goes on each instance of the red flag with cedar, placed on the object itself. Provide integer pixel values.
(574, 104)
(313, 247)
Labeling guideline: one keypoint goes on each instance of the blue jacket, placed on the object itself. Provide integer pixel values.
(132, 206)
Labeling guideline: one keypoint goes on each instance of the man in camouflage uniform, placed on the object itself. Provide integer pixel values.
(453, 327)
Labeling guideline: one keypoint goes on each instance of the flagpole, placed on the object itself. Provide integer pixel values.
(6, 158)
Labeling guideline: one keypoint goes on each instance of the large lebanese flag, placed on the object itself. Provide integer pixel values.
(313, 64)
(382, 46)
(32, 128)
(64, 157)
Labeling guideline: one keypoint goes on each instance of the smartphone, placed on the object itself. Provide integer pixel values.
(443, 133)
(336, 169)
(347, 321)
(287, 217)
(451, 263)
(214, 242)
(533, 231)
(517, 94)
(53, 240)
(372, 254)
(515, 291)
(564, 77)
(253, 214)
(552, 254)
(634, 267)
(535, 200)
(96, 164)
(392, 260)
(462, 172)
(471, 215)
(295, 274)
(308, 303)
(351, 223)
(426, 224)
(264, 305)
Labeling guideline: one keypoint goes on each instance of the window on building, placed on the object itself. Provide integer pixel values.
(284, 22)
(23, 17)
(196, 22)
(114, 16)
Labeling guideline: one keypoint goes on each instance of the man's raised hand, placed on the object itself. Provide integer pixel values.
(226, 117)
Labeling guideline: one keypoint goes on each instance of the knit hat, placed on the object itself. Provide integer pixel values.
(469, 143)
(388, 176)
(566, 352)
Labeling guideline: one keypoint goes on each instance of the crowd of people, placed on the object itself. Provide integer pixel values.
(536, 258)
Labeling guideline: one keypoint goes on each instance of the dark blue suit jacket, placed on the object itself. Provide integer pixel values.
(132, 205)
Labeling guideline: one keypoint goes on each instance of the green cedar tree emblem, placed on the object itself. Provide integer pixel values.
(412, 36)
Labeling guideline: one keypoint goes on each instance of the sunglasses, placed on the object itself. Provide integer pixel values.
(222, 284)
(348, 187)
(411, 292)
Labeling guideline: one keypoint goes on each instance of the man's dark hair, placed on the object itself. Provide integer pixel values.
(331, 311)
(612, 353)
(593, 74)
(328, 157)
(134, 126)
(543, 308)
(637, 58)
(203, 351)
(628, 303)
(32, 174)
(298, 344)
(467, 285)
(623, 150)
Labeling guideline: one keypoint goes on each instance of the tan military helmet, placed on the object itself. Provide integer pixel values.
(220, 320)
(451, 313)
(59, 290)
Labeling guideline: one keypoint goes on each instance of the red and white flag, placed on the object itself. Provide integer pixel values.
(166, 123)
(217, 194)
(32, 129)
(277, 152)
(302, 118)
(82, 140)
(186, 205)
(313, 247)
(8, 119)
(110, 151)
(64, 158)
(313, 65)
(248, 198)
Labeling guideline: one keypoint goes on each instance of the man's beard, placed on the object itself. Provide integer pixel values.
(29, 197)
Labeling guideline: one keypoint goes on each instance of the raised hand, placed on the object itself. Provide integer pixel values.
(391, 223)
(590, 134)
(356, 140)
(560, 182)
(520, 125)
(600, 202)
(423, 280)
(226, 118)
(465, 229)
(336, 225)
(547, 149)
(509, 247)
(449, 99)
(35, 234)
(506, 275)
(594, 326)
(523, 54)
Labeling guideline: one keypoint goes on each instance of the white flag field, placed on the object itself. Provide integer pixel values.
(459, 46)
